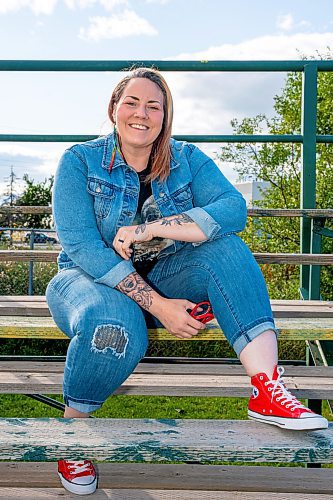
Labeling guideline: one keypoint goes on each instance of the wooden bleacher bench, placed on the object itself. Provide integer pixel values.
(187, 441)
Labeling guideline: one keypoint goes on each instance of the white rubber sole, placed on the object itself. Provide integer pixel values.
(79, 489)
(314, 422)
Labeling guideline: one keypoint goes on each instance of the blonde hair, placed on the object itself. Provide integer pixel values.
(160, 155)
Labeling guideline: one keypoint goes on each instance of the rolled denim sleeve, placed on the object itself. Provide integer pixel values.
(219, 209)
(76, 225)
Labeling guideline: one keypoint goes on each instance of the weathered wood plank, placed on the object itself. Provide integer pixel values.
(30, 306)
(274, 302)
(290, 329)
(257, 212)
(155, 440)
(179, 368)
(114, 494)
(177, 477)
(289, 212)
(166, 384)
(262, 258)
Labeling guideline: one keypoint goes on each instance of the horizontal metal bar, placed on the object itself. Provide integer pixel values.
(47, 401)
(324, 231)
(63, 65)
(289, 138)
(27, 357)
(28, 229)
(240, 138)
(189, 138)
(324, 138)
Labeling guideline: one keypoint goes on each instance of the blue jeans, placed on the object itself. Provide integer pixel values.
(108, 330)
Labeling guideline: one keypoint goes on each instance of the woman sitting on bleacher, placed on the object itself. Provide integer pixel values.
(148, 227)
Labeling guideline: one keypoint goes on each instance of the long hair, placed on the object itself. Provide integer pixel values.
(160, 155)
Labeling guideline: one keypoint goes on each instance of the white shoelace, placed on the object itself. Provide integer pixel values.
(78, 466)
(282, 394)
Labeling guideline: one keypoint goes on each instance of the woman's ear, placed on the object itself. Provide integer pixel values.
(114, 115)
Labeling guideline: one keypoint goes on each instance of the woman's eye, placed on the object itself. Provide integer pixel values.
(153, 107)
(130, 103)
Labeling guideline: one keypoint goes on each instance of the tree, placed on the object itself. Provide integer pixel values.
(36, 194)
(280, 165)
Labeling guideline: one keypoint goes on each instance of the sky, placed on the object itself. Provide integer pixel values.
(76, 103)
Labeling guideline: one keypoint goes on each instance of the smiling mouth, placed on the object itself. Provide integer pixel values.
(138, 126)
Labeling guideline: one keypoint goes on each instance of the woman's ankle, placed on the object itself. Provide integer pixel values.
(72, 413)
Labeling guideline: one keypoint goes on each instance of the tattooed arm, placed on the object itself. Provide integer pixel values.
(175, 227)
(172, 313)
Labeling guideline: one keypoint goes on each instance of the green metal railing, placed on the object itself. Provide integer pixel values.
(310, 236)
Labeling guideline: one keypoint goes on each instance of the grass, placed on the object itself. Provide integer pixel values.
(140, 407)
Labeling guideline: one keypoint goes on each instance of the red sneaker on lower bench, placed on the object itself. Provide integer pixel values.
(272, 403)
(78, 476)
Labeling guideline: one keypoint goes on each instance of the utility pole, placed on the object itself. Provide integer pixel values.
(10, 197)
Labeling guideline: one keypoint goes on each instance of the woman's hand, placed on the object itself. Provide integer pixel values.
(127, 235)
(173, 315)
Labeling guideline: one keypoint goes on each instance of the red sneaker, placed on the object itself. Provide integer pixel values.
(272, 403)
(78, 476)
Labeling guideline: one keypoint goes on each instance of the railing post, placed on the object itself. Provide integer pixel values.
(316, 243)
(31, 264)
(308, 177)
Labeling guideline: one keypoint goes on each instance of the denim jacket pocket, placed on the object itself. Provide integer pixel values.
(103, 194)
(183, 198)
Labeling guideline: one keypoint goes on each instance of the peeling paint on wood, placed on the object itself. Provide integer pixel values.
(157, 440)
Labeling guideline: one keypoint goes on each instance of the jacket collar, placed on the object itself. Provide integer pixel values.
(118, 162)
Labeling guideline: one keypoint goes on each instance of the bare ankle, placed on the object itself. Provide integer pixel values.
(72, 413)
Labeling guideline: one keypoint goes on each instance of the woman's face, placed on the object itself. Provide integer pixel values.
(139, 113)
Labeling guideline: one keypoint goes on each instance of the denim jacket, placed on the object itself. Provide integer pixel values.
(90, 204)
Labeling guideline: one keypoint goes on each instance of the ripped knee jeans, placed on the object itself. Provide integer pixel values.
(108, 337)
(108, 330)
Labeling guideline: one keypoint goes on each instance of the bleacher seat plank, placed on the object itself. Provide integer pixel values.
(37, 306)
(147, 440)
(290, 329)
(178, 477)
(261, 258)
(113, 494)
(158, 379)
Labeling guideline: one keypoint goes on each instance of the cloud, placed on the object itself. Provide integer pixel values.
(36, 6)
(47, 6)
(285, 22)
(29, 159)
(205, 103)
(160, 2)
(83, 4)
(276, 47)
(125, 24)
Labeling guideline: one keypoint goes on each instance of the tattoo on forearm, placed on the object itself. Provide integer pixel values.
(177, 220)
(140, 229)
(137, 289)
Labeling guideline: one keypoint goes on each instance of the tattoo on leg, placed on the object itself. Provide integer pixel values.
(137, 289)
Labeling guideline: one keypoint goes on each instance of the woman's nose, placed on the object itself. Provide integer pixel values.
(141, 112)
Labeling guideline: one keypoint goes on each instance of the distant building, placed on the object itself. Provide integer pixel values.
(252, 190)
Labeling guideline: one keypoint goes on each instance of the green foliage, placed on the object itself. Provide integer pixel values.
(35, 194)
(279, 164)
(14, 277)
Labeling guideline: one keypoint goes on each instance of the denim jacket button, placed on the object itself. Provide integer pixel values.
(98, 189)
(161, 195)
